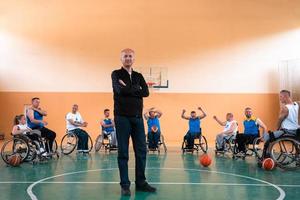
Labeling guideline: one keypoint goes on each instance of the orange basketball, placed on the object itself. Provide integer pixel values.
(205, 160)
(15, 160)
(268, 164)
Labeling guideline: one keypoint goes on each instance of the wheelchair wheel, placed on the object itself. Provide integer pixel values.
(55, 146)
(90, 143)
(147, 142)
(68, 143)
(228, 147)
(285, 152)
(258, 147)
(183, 146)
(14, 146)
(203, 144)
(162, 141)
(98, 143)
(235, 151)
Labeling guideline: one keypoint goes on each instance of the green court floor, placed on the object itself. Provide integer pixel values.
(175, 175)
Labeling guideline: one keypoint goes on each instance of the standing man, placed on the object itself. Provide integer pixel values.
(129, 88)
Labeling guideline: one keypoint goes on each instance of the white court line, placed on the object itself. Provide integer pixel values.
(154, 183)
(33, 197)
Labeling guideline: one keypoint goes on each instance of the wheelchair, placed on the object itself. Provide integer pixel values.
(28, 149)
(70, 141)
(161, 142)
(200, 143)
(285, 151)
(253, 147)
(104, 141)
(228, 145)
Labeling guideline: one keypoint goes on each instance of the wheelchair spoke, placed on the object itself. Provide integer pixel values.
(14, 146)
(284, 152)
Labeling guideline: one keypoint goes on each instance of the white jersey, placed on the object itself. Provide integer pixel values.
(228, 125)
(23, 127)
(291, 121)
(76, 118)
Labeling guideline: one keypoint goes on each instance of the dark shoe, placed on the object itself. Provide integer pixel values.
(145, 188)
(125, 192)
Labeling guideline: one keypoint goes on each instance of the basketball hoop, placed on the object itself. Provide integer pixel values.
(151, 84)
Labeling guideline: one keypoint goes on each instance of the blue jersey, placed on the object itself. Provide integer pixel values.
(194, 125)
(153, 122)
(251, 127)
(108, 122)
(37, 116)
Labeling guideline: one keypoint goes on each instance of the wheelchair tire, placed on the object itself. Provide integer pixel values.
(287, 157)
(98, 143)
(90, 143)
(183, 147)
(66, 146)
(258, 150)
(203, 144)
(162, 140)
(55, 146)
(22, 150)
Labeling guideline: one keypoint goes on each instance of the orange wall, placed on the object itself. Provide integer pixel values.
(217, 40)
(91, 106)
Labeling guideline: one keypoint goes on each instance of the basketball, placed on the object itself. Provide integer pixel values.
(15, 160)
(268, 164)
(205, 160)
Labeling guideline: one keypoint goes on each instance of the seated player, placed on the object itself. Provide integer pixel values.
(194, 127)
(75, 123)
(152, 116)
(251, 130)
(287, 121)
(20, 128)
(35, 120)
(108, 128)
(230, 129)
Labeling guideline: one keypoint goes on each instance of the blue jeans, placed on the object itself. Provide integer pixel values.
(134, 127)
(153, 139)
